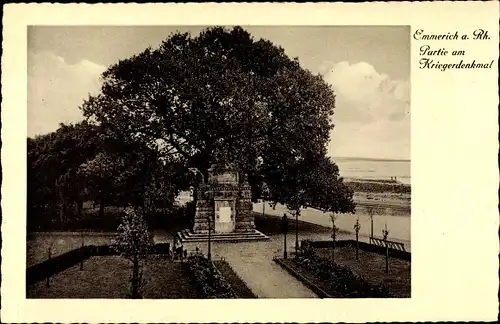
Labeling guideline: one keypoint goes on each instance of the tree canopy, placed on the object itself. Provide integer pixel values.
(223, 97)
(82, 162)
(52, 164)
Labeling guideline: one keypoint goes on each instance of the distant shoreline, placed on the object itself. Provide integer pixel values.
(348, 158)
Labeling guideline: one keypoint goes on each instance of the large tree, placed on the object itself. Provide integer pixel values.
(52, 164)
(81, 162)
(221, 98)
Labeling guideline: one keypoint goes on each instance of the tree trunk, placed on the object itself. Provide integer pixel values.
(205, 176)
(135, 279)
(61, 207)
(101, 208)
(79, 205)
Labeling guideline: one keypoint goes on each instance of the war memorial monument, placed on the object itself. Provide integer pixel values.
(223, 207)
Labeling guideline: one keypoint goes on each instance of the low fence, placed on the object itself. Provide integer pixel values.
(380, 249)
(391, 244)
(71, 258)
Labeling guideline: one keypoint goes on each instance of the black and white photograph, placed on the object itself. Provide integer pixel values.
(218, 161)
(250, 162)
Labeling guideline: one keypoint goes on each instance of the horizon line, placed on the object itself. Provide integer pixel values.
(371, 158)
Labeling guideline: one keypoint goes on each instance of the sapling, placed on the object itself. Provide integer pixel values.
(333, 217)
(134, 243)
(385, 233)
(357, 227)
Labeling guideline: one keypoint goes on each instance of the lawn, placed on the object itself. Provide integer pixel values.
(371, 267)
(108, 277)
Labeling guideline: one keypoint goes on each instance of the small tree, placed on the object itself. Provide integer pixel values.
(294, 211)
(385, 233)
(333, 217)
(134, 243)
(357, 227)
(371, 213)
(284, 230)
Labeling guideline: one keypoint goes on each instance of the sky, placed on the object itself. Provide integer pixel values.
(367, 66)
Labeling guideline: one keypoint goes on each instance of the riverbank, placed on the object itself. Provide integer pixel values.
(374, 210)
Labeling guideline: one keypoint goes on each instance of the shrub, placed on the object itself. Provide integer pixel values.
(340, 280)
(377, 187)
(207, 278)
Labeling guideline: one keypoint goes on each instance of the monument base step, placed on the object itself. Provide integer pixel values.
(187, 236)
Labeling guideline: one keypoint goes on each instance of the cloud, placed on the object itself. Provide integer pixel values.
(56, 89)
(372, 115)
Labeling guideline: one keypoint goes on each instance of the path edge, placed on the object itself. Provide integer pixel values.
(318, 291)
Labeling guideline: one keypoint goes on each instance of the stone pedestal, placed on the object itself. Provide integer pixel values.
(225, 203)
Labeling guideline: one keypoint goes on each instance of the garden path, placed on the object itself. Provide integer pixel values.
(253, 262)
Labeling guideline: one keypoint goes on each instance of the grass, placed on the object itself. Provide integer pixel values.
(238, 285)
(38, 246)
(108, 277)
(371, 267)
(310, 281)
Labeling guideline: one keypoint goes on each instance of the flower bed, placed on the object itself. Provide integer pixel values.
(339, 281)
(239, 286)
(207, 278)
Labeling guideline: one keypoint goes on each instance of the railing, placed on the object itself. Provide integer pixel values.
(391, 244)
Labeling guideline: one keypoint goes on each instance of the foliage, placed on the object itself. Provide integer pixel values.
(207, 278)
(342, 282)
(239, 286)
(99, 175)
(54, 186)
(83, 162)
(225, 98)
(133, 239)
(377, 187)
(134, 242)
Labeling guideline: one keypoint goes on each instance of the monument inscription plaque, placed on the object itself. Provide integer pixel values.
(226, 201)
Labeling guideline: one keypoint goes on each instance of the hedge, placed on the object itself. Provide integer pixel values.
(403, 255)
(378, 187)
(207, 278)
(341, 281)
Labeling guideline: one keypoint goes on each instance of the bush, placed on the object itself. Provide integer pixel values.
(207, 278)
(89, 219)
(339, 280)
(378, 187)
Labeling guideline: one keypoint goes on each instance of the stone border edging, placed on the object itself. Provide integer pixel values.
(318, 291)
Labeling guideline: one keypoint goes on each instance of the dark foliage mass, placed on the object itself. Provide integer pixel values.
(377, 187)
(221, 98)
(82, 163)
(237, 284)
(341, 281)
(207, 278)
